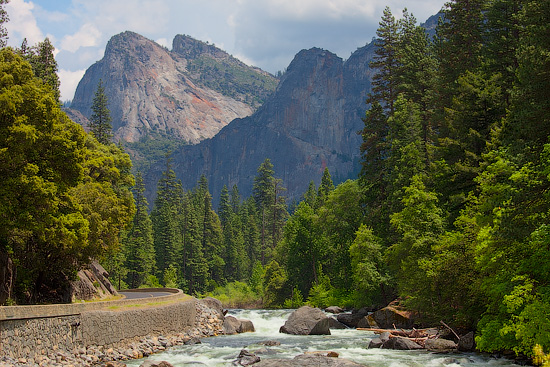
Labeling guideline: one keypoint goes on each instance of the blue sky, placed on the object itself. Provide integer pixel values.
(263, 33)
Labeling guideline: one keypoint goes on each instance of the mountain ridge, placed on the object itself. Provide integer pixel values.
(151, 89)
(310, 122)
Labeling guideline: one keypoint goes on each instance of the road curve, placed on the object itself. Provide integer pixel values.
(140, 295)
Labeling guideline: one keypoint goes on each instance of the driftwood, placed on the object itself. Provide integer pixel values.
(448, 327)
(414, 333)
(419, 336)
(391, 331)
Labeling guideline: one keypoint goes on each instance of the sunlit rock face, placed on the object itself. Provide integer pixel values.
(152, 89)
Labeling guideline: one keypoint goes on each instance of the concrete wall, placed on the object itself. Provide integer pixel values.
(30, 331)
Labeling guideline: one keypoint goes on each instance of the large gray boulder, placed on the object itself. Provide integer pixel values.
(390, 317)
(352, 319)
(379, 341)
(440, 345)
(400, 344)
(467, 342)
(334, 309)
(307, 321)
(232, 325)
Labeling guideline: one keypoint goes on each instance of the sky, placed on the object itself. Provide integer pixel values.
(264, 33)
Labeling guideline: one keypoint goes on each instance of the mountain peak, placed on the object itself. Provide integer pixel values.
(191, 48)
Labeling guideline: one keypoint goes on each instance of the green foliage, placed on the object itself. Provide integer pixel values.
(170, 276)
(539, 357)
(138, 243)
(236, 295)
(256, 278)
(275, 285)
(44, 66)
(371, 278)
(304, 251)
(271, 208)
(323, 294)
(151, 282)
(296, 301)
(64, 197)
(337, 222)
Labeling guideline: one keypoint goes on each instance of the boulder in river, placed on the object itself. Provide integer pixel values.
(334, 309)
(467, 342)
(306, 321)
(440, 345)
(390, 318)
(352, 319)
(400, 344)
(246, 358)
(335, 324)
(232, 325)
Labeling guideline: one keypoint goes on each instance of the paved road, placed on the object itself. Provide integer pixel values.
(138, 295)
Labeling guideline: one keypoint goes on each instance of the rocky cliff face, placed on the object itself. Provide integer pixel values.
(153, 89)
(309, 123)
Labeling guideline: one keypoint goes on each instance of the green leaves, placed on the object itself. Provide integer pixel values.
(55, 213)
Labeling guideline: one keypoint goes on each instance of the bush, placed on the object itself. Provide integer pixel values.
(236, 295)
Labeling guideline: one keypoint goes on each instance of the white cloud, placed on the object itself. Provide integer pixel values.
(22, 23)
(69, 81)
(87, 36)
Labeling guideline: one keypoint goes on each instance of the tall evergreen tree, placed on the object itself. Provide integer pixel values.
(193, 262)
(263, 196)
(44, 65)
(385, 82)
(166, 220)
(325, 188)
(100, 120)
(139, 247)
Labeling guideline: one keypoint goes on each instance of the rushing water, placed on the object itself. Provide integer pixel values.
(350, 344)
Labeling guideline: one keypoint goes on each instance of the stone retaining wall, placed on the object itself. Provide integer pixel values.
(67, 328)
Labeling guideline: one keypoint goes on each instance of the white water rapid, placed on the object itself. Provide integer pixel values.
(350, 344)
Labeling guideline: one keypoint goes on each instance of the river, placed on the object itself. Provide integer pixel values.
(350, 344)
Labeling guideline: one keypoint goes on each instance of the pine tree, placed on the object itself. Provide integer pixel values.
(373, 178)
(459, 44)
(165, 217)
(100, 120)
(224, 208)
(385, 82)
(263, 196)
(193, 263)
(44, 65)
(310, 196)
(271, 208)
(405, 158)
(138, 245)
(325, 188)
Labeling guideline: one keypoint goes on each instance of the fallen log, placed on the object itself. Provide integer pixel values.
(380, 331)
